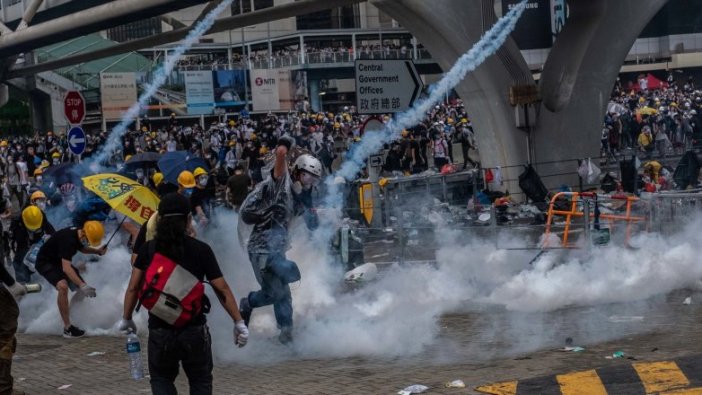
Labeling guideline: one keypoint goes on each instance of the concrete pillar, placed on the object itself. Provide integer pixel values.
(448, 29)
(314, 95)
(4, 94)
(578, 78)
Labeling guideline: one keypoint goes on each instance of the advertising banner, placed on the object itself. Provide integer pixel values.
(265, 91)
(229, 89)
(199, 92)
(118, 91)
(533, 30)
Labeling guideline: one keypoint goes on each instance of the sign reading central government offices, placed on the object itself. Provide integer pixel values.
(386, 86)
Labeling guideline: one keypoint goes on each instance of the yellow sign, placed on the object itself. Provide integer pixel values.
(365, 194)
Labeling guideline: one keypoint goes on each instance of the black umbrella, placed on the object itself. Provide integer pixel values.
(143, 159)
(65, 172)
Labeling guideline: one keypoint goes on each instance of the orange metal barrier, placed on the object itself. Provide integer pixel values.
(575, 212)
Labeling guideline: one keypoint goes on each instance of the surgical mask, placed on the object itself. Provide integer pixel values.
(38, 180)
(41, 204)
(56, 161)
(71, 204)
(308, 180)
(140, 174)
(203, 181)
(188, 192)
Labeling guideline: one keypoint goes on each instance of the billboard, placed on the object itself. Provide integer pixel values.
(533, 30)
(229, 89)
(199, 92)
(265, 91)
(118, 91)
(559, 14)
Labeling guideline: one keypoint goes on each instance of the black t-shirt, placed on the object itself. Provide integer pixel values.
(199, 260)
(201, 197)
(64, 244)
(140, 239)
(238, 185)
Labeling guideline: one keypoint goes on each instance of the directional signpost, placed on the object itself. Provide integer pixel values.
(386, 86)
(76, 140)
(74, 107)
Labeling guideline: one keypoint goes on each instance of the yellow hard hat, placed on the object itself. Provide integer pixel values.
(464, 120)
(32, 218)
(232, 123)
(144, 129)
(3, 143)
(337, 125)
(232, 143)
(94, 231)
(186, 179)
(55, 155)
(405, 133)
(153, 135)
(45, 163)
(199, 171)
(449, 121)
(382, 182)
(330, 115)
(38, 171)
(157, 178)
(37, 195)
(127, 158)
(252, 137)
(263, 150)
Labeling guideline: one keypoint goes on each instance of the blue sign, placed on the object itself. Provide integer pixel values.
(244, 113)
(76, 140)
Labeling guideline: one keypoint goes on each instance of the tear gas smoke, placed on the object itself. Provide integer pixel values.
(159, 78)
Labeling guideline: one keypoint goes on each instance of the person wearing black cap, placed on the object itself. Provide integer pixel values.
(189, 343)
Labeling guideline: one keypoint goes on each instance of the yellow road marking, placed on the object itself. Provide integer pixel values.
(660, 376)
(581, 383)
(686, 391)
(506, 388)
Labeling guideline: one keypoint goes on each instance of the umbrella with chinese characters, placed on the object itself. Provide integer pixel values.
(125, 196)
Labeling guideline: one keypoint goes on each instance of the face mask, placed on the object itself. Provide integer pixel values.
(187, 192)
(308, 180)
(203, 181)
(56, 161)
(140, 174)
(41, 205)
(38, 180)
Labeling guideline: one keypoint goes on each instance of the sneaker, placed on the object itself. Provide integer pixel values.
(245, 310)
(73, 332)
(285, 336)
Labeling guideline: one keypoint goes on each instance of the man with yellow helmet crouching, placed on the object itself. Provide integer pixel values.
(54, 264)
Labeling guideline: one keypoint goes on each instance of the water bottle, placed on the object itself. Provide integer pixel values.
(134, 352)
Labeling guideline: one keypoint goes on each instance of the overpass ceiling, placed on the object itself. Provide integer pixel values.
(58, 11)
(87, 28)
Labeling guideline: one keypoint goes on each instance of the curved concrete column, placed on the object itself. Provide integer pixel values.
(448, 29)
(579, 75)
(4, 94)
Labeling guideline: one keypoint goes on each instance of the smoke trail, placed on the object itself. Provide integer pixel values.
(371, 143)
(159, 79)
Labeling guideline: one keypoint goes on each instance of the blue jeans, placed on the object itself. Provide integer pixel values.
(273, 291)
(22, 273)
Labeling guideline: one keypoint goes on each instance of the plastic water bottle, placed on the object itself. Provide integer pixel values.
(136, 368)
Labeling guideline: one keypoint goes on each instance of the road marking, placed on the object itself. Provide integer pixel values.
(581, 383)
(683, 376)
(661, 376)
(506, 388)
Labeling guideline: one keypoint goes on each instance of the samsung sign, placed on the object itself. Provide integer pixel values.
(533, 30)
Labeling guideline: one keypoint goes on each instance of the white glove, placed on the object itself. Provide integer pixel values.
(127, 326)
(17, 290)
(88, 291)
(241, 333)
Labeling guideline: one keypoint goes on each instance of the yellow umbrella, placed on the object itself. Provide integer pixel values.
(123, 195)
(647, 111)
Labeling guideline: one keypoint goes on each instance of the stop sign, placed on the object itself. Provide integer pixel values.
(74, 107)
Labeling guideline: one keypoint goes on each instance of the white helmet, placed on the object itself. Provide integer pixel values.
(309, 164)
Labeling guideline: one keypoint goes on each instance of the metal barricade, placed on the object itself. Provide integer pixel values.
(670, 211)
